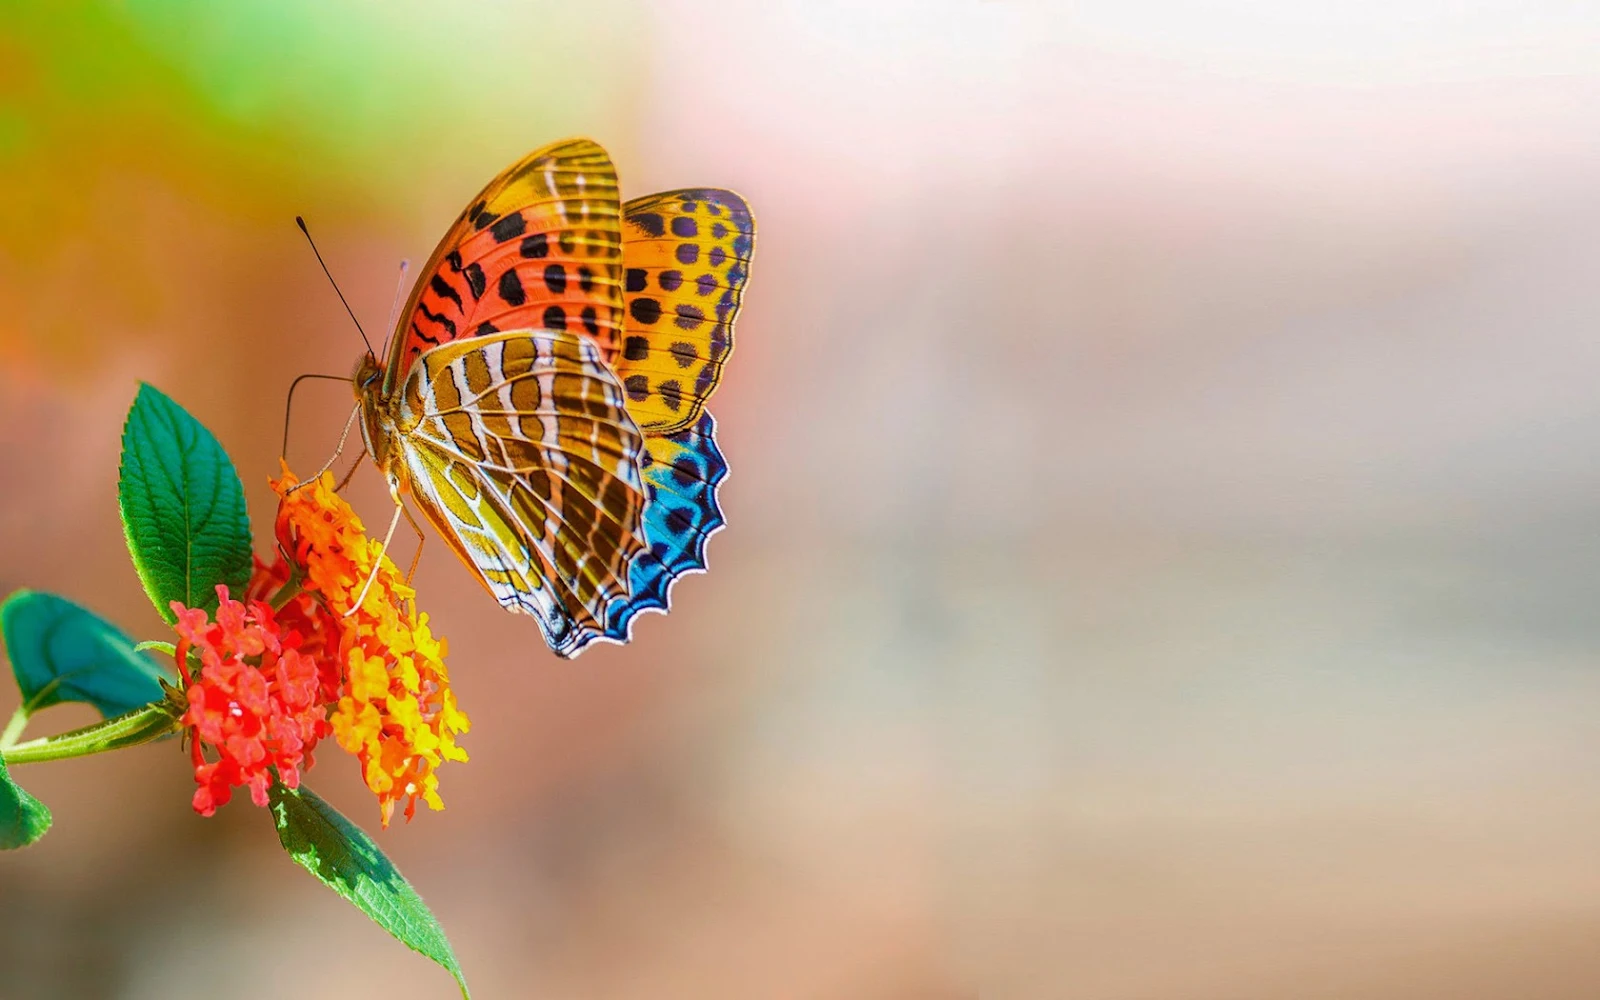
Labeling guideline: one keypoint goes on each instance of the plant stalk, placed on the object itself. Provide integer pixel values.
(142, 725)
(14, 728)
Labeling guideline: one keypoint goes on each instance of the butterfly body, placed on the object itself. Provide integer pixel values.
(377, 423)
(542, 402)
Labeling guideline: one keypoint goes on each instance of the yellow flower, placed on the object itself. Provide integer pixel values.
(395, 711)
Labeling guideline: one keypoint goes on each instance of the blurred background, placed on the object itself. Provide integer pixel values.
(1165, 516)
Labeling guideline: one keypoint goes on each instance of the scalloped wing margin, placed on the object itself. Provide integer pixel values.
(682, 511)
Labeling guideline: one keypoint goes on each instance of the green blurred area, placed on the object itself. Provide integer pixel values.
(303, 85)
(114, 113)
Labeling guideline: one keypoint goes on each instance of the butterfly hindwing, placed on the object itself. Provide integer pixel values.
(682, 472)
(686, 258)
(519, 449)
(538, 249)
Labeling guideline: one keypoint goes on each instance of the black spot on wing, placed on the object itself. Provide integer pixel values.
(689, 316)
(680, 520)
(535, 246)
(509, 228)
(684, 353)
(555, 278)
(443, 289)
(702, 382)
(646, 311)
(650, 222)
(636, 348)
(475, 279)
(442, 320)
(511, 288)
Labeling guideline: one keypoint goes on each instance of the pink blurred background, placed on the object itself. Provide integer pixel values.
(1162, 558)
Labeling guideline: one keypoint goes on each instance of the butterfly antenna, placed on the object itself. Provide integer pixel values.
(288, 405)
(394, 310)
(302, 224)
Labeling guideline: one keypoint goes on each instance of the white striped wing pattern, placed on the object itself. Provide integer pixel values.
(519, 448)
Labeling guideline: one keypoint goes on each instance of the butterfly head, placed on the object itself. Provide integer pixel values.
(367, 375)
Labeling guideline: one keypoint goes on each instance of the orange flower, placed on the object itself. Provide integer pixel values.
(394, 710)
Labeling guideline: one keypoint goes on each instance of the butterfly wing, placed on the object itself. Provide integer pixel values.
(540, 248)
(687, 259)
(682, 472)
(517, 446)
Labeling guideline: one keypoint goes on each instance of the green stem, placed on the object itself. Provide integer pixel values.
(142, 725)
(25, 711)
(14, 728)
(290, 590)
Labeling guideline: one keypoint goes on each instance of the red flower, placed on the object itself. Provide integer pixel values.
(257, 701)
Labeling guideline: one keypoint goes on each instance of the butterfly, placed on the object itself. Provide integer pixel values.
(543, 396)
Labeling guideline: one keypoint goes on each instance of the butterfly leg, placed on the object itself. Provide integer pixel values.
(421, 538)
(377, 564)
(343, 437)
(352, 473)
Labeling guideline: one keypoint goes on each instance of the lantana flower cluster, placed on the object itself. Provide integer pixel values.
(299, 660)
(257, 699)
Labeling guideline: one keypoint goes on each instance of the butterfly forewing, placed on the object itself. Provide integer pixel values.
(686, 258)
(519, 448)
(538, 249)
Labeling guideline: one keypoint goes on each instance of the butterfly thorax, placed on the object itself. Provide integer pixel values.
(377, 423)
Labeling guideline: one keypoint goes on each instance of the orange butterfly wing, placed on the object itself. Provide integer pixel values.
(687, 257)
(540, 248)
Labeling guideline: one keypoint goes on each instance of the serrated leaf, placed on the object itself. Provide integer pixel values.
(182, 506)
(61, 651)
(346, 860)
(23, 818)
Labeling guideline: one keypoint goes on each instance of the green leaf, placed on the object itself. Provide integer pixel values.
(63, 652)
(182, 507)
(346, 860)
(23, 818)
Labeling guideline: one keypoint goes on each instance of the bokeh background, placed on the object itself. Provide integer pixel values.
(1165, 510)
